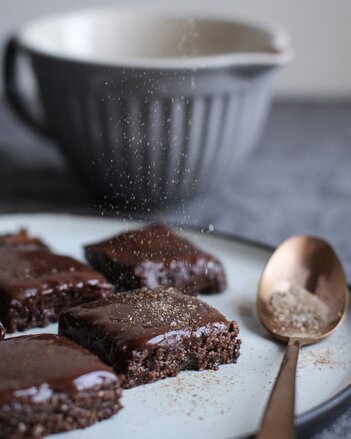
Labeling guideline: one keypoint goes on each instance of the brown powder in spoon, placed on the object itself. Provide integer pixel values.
(298, 312)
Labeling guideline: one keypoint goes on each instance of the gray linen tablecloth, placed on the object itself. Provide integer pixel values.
(297, 181)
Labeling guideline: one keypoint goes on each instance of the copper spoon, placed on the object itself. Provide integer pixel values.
(310, 263)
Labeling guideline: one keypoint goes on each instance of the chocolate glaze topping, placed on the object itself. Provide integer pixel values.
(155, 242)
(36, 366)
(144, 317)
(156, 256)
(28, 271)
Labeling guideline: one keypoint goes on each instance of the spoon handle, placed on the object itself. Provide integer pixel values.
(278, 419)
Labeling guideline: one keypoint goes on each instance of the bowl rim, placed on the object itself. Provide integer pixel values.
(280, 41)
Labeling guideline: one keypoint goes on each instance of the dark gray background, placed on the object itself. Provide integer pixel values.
(297, 182)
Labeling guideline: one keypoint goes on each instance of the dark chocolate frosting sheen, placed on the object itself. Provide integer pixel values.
(35, 366)
(156, 256)
(25, 271)
(156, 243)
(144, 317)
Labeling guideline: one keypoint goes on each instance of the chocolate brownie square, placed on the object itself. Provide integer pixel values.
(49, 384)
(36, 285)
(156, 256)
(149, 334)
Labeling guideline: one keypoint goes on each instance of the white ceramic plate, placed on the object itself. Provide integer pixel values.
(222, 404)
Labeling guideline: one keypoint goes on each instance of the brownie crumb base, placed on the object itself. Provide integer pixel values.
(41, 311)
(194, 353)
(61, 412)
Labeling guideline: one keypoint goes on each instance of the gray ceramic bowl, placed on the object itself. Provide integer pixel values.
(149, 108)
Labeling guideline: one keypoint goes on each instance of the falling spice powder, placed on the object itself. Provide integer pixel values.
(298, 311)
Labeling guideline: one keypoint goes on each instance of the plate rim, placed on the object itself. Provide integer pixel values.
(307, 423)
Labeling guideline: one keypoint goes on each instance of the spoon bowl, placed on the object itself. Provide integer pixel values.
(311, 264)
(302, 298)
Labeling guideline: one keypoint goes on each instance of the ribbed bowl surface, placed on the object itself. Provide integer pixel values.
(150, 138)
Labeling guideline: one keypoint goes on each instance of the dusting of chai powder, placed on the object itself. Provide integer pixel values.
(298, 312)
